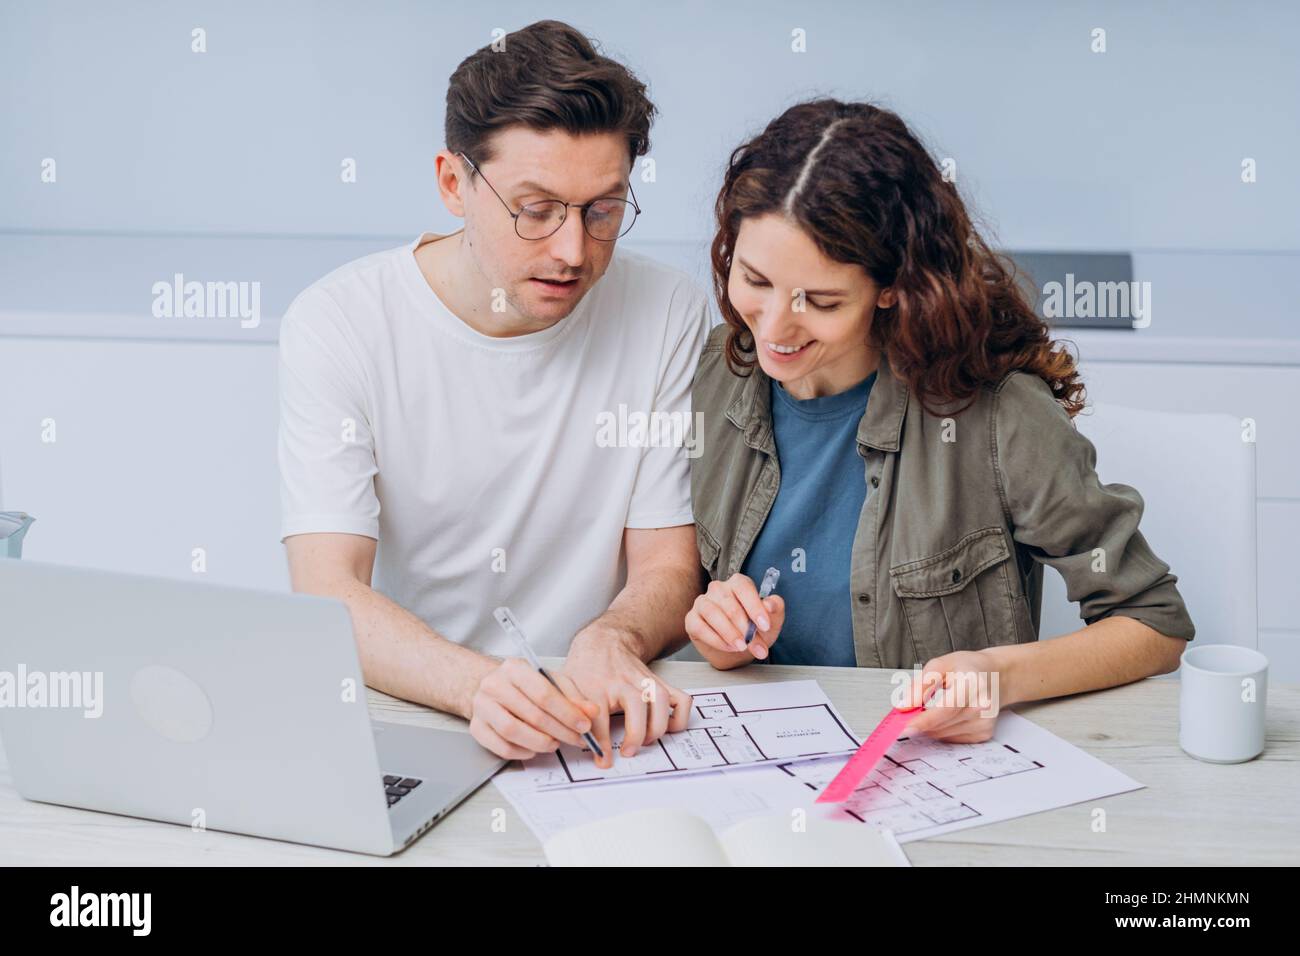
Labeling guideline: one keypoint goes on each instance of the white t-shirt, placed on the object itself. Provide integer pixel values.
(488, 468)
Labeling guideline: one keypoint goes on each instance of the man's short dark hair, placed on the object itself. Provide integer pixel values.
(548, 77)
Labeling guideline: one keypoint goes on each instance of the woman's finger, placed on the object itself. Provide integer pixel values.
(732, 638)
(746, 595)
(701, 631)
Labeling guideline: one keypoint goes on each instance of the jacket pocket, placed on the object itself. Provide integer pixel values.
(960, 598)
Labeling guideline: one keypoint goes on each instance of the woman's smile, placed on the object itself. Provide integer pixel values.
(787, 352)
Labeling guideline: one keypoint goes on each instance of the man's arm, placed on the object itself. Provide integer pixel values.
(513, 710)
(607, 660)
(662, 570)
(400, 654)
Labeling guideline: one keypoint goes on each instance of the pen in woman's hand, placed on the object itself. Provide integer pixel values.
(770, 578)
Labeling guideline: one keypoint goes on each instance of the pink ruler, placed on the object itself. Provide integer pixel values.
(867, 756)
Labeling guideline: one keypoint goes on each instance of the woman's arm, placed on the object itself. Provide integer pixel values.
(976, 685)
(1063, 516)
(1115, 650)
(1061, 513)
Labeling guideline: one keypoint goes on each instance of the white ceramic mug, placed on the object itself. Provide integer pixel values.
(1222, 702)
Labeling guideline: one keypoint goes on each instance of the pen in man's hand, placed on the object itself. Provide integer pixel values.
(511, 627)
(764, 590)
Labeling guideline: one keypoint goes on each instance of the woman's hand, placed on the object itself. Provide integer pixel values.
(961, 693)
(716, 624)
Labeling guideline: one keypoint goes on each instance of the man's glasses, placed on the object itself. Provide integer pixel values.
(604, 219)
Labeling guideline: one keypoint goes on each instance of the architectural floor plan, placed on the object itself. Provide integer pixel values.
(919, 783)
(921, 788)
(729, 727)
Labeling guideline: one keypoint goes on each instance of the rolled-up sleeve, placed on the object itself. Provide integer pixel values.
(1066, 518)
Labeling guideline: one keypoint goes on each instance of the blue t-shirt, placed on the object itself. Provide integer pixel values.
(808, 535)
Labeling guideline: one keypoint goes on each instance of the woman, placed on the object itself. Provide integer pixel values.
(886, 423)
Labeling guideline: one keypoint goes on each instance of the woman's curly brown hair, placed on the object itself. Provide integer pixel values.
(872, 195)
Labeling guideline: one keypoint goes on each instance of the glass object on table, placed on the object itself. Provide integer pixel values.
(13, 525)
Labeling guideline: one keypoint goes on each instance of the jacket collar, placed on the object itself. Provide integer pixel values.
(881, 427)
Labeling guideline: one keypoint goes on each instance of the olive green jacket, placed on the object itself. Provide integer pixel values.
(951, 500)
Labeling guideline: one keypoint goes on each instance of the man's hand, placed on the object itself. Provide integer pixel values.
(517, 713)
(607, 670)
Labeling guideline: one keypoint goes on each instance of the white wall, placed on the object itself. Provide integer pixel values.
(160, 448)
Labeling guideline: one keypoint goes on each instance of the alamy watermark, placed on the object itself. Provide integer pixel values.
(950, 689)
(624, 429)
(181, 299)
(133, 911)
(1098, 300)
(64, 690)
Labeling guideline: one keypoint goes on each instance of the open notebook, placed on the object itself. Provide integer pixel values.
(678, 838)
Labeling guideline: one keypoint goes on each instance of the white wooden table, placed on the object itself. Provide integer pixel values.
(1189, 812)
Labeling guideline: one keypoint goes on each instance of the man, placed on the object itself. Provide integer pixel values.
(439, 419)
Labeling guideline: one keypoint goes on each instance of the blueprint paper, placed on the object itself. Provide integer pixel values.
(921, 788)
(729, 727)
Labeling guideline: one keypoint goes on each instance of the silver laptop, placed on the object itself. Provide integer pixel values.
(212, 706)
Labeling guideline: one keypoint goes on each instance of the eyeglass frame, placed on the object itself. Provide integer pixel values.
(584, 206)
